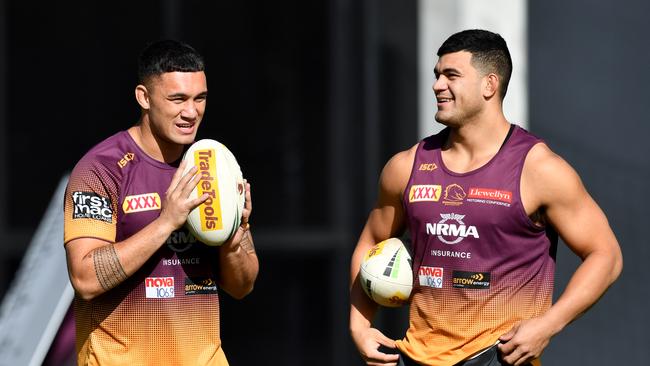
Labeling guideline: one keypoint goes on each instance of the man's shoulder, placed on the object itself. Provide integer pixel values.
(109, 151)
(541, 158)
(402, 161)
(110, 155)
(397, 171)
(548, 175)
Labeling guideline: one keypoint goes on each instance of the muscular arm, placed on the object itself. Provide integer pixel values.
(549, 184)
(237, 258)
(96, 266)
(385, 220)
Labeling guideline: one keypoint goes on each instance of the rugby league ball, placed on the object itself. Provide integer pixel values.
(216, 220)
(386, 273)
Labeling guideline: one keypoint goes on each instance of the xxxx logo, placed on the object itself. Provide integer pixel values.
(141, 202)
(428, 192)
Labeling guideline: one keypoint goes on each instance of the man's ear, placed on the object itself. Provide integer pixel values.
(142, 96)
(491, 85)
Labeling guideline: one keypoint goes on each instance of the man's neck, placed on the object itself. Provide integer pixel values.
(472, 145)
(154, 146)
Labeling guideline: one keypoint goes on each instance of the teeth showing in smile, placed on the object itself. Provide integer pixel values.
(442, 100)
(184, 125)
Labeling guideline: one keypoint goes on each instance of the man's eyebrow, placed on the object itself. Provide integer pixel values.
(177, 95)
(447, 70)
(184, 95)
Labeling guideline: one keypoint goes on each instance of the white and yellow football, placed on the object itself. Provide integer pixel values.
(386, 273)
(215, 221)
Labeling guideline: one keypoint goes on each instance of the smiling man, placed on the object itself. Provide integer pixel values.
(146, 292)
(488, 230)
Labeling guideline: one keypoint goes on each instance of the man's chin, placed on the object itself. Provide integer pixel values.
(447, 121)
(442, 120)
(185, 139)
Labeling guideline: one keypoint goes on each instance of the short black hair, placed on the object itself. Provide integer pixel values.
(168, 56)
(489, 53)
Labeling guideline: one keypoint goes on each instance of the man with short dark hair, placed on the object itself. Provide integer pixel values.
(486, 229)
(146, 292)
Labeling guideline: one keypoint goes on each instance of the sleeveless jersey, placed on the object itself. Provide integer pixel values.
(479, 263)
(167, 313)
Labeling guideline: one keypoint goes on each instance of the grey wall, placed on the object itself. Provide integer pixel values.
(589, 71)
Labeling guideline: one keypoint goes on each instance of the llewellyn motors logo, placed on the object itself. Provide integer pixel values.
(90, 205)
(490, 196)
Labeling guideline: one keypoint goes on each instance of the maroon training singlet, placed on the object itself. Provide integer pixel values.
(480, 264)
(167, 312)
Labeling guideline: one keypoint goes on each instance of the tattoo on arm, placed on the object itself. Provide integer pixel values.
(247, 242)
(108, 267)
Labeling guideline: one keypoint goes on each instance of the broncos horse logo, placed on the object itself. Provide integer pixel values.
(454, 195)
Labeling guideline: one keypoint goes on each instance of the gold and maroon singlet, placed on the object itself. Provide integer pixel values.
(480, 264)
(167, 313)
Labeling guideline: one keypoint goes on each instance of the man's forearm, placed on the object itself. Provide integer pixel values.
(106, 265)
(589, 282)
(239, 265)
(108, 268)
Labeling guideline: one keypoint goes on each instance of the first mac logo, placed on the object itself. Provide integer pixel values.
(89, 205)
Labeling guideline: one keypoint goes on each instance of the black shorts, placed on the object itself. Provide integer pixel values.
(488, 358)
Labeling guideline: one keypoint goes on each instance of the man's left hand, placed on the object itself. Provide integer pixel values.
(525, 341)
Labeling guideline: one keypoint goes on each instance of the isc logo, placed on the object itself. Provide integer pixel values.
(159, 287)
(428, 167)
(141, 202)
(125, 160)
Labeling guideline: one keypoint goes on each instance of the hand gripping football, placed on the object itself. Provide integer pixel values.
(216, 220)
